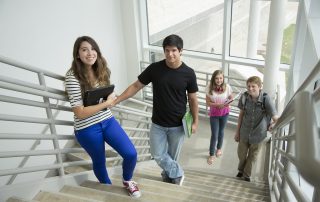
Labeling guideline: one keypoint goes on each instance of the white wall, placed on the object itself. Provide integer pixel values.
(42, 32)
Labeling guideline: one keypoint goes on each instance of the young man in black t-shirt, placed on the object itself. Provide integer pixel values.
(173, 83)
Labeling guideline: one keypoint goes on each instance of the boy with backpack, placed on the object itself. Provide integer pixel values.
(256, 110)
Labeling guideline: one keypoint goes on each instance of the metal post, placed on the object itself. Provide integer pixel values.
(52, 125)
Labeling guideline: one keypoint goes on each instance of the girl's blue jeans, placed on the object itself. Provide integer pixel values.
(93, 139)
(217, 124)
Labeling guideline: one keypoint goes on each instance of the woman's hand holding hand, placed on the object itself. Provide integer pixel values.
(110, 100)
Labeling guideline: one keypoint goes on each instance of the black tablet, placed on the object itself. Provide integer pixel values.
(97, 95)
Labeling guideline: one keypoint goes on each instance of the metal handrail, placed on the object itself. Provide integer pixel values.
(296, 144)
(41, 90)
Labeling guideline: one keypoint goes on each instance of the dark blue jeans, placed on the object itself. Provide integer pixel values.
(217, 124)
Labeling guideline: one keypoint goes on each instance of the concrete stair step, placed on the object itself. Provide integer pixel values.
(75, 169)
(218, 194)
(225, 182)
(146, 194)
(85, 156)
(260, 184)
(212, 180)
(18, 199)
(112, 193)
(216, 177)
(47, 196)
(180, 192)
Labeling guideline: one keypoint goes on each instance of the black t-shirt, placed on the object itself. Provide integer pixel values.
(169, 91)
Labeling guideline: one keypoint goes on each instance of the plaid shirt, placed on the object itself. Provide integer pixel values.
(254, 122)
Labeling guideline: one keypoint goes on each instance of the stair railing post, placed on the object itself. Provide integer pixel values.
(287, 167)
(316, 194)
(52, 125)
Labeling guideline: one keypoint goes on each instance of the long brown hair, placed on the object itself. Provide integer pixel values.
(213, 84)
(100, 67)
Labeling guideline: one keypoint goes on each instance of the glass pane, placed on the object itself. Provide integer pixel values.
(249, 28)
(199, 23)
(288, 33)
(240, 74)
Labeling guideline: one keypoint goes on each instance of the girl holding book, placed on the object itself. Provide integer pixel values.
(218, 95)
(94, 125)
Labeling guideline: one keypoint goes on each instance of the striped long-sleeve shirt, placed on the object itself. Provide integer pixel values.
(74, 94)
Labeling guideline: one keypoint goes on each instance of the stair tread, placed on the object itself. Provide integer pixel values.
(169, 190)
(100, 191)
(193, 192)
(201, 172)
(116, 193)
(212, 179)
(75, 169)
(85, 156)
(57, 197)
(19, 199)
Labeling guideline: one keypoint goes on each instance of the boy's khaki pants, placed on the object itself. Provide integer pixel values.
(247, 154)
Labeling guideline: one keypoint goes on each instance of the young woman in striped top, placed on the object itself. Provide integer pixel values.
(95, 125)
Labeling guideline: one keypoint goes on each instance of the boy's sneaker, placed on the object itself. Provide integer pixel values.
(165, 178)
(178, 180)
(240, 174)
(246, 178)
(132, 188)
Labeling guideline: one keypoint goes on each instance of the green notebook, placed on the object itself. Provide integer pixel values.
(187, 123)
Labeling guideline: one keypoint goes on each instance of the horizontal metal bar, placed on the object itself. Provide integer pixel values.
(33, 103)
(139, 138)
(56, 166)
(40, 152)
(32, 91)
(13, 171)
(130, 109)
(135, 129)
(143, 147)
(50, 152)
(35, 136)
(286, 137)
(109, 159)
(121, 117)
(6, 117)
(25, 66)
(140, 102)
(121, 109)
(30, 85)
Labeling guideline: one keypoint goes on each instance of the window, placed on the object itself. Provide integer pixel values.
(199, 23)
(250, 22)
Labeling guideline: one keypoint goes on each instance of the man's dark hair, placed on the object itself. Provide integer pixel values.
(173, 40)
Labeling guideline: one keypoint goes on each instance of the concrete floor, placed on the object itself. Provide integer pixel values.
(195, 151)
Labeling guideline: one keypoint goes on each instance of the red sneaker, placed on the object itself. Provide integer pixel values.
(132, 188)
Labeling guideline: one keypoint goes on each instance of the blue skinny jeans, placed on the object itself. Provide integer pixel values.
(93, 139)
(217, 123)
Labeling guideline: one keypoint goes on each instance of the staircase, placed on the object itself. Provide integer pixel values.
(198, 186)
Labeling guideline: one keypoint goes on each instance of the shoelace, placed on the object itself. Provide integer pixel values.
(132, 185)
